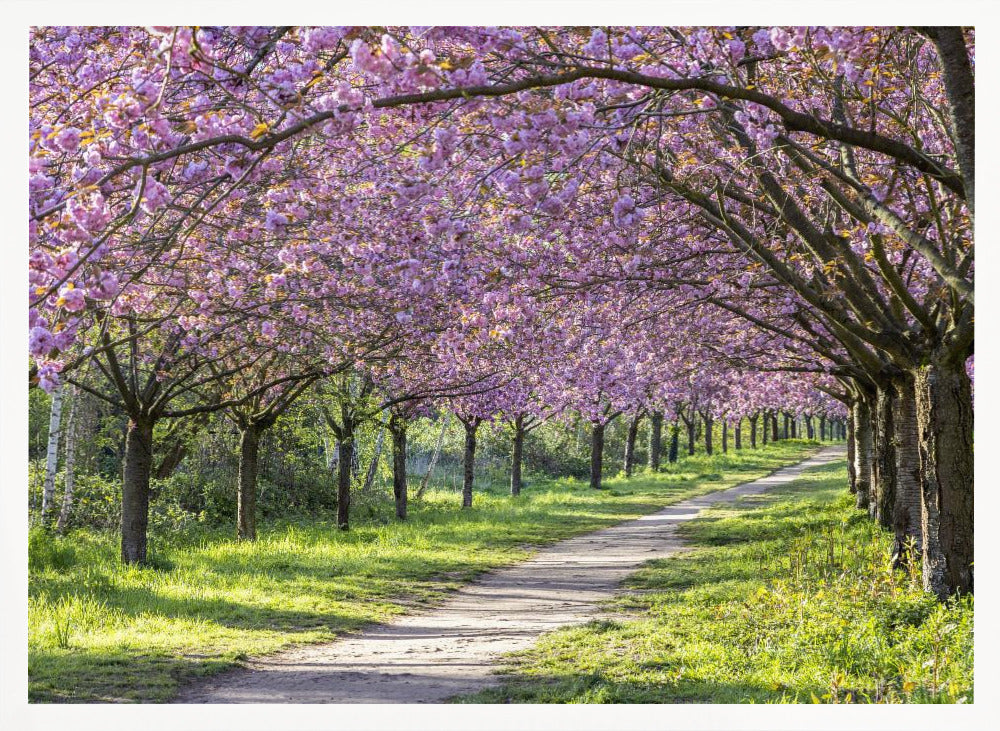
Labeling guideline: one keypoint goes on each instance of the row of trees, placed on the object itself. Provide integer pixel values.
(599, 219)
(350, 403)
(205, 467)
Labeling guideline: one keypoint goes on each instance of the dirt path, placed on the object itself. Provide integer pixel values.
(451, 649)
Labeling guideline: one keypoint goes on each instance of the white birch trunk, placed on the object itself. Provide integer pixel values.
(71, 421)
(373, 467)
(52, 454)
(434, 456)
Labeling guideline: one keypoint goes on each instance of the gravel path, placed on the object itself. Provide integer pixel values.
(452, 649)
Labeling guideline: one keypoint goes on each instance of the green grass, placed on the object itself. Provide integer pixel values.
(99, 631)
(785, 597)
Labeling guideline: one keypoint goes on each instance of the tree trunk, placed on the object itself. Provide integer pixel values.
(690, 435)
(738, 434)
(675, 438)
(246, 501)
(784, 424)
(906, 509)
(329, 454)
(655, 440)
(138, 464)
(883, 497)
(810, 431)
(633, 431)
(373, 465)
(774, 427)
(852, 452)
(397, 428)
(766, 428)
(516, 456)
(725, 436)
(70, 481)
(862, 453)
(596, 455)
(174, 455)
(944, 426)
(52, 455)
(753, 432)
(434, 456)
(822, 427)
(469, 462)
(345, 461)
(708, 433)
(793, 421)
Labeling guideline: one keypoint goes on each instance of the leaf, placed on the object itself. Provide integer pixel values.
(259, 131)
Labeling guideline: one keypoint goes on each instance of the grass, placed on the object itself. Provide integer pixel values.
(99, 631)
(785, 598)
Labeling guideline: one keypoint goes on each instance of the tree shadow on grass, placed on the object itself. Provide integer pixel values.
(596, 688)
(86, 675)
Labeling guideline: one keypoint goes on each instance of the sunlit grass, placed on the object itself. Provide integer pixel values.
(99, 631)
(787, 597)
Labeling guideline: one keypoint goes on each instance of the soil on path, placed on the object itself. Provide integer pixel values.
(453, 648)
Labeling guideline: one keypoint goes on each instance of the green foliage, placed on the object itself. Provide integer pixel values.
(100, 631)
(39, 403)
(49, 551)
(789, 597)
(96, 499)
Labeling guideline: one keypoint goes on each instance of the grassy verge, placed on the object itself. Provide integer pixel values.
(102, 632)
(786, 597)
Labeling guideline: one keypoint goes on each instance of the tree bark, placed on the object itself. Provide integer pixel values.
(397, 428)
(675, 437)
(138, 464)
(725, 436)
(246, 500)
(944, 426)
(516, 456)
(738, 434)
(862, 453)
(906, 509)
(852, 452)
(70, 481)
(883, 497)
(630, 437)
(708, 433)
(655, 440)
(174, 455)
(345, 461)
(469, 462)
(753, 432)
(810, 432)
(822, 427)
(774, 427)
(690, 434)
(596, 454)
(52, 454)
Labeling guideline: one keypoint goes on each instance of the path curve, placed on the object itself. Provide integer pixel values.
(453, 648)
